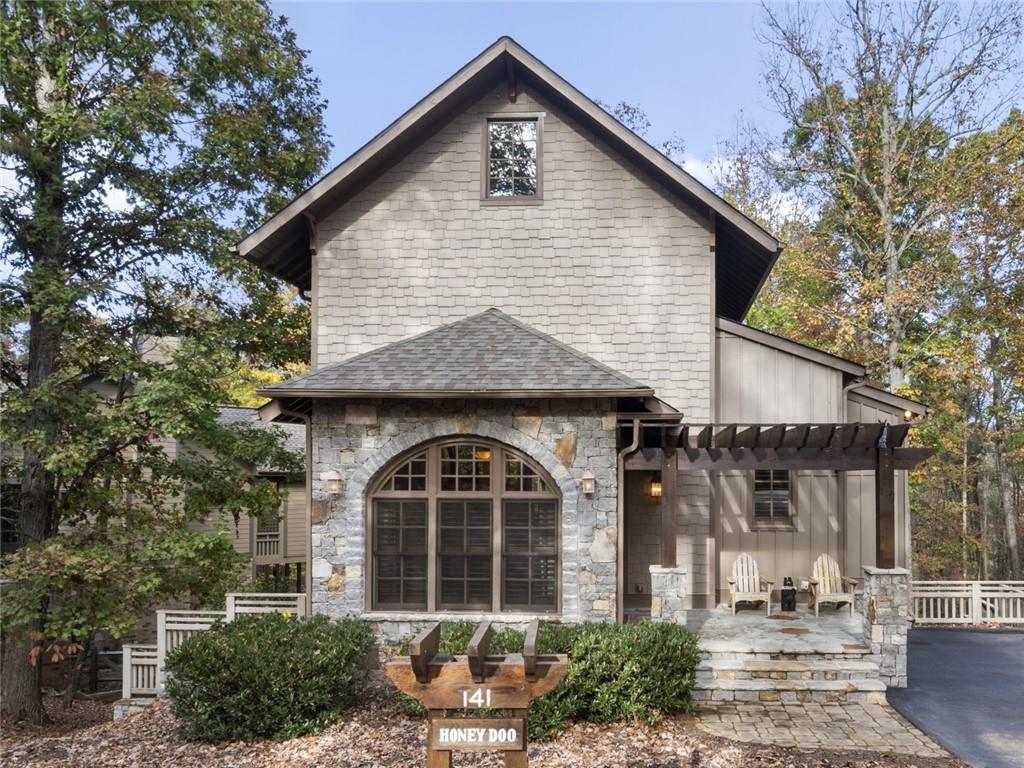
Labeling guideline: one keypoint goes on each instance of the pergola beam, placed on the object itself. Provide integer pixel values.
(722, 459)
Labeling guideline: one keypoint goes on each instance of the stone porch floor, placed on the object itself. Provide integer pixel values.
(872, 727)
(750, 631)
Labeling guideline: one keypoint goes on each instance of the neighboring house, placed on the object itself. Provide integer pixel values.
(270, 544)
(531, 390)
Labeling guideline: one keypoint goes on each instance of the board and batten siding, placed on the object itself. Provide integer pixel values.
(758, 384)
(296, 522)
(608, 261)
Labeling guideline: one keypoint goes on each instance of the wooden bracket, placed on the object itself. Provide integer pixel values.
(530, 651)
(422, 651)
(476, 651)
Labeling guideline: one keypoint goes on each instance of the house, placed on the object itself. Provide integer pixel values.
(532, 391)
(273, 546)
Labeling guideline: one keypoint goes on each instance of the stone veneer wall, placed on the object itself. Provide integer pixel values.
(668, 594)
(886, 621)
(566, 437)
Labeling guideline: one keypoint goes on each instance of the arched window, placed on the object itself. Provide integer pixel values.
(464, 525)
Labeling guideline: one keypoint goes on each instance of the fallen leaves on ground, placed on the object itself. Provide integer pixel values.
(379, 733)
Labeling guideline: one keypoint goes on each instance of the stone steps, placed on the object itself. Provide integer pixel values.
(851, 678)
(784, 669)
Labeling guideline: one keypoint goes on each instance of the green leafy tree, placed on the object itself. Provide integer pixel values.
(875, 95)
(143, 138)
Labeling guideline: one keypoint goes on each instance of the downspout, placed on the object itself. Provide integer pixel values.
(620, 522)
(308, 575)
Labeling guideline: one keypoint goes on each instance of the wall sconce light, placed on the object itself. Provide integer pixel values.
(655, 489)
(907, 415)
(587, 483)
(332, 482)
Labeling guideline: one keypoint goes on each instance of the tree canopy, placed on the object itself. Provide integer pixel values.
(143, 139)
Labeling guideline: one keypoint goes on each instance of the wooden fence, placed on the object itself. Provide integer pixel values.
(139, 667)
(265, 602)
(143, 665)
(968, 602)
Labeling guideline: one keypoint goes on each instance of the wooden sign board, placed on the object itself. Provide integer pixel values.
(476, 681)
(475, 734)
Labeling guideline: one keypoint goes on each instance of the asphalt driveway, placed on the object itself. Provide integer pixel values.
(967, 692)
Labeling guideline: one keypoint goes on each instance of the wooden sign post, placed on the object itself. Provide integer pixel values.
(476, 681)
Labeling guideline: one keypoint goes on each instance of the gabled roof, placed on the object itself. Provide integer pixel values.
(744, 252)
(485, 355)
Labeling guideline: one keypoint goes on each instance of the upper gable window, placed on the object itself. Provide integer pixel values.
(512, 169)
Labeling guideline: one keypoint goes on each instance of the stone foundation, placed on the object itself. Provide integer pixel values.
(668, 594)
(886, 621)
(125, 707)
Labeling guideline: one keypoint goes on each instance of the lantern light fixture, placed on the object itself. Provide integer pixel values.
(655, 489)
(587, 482)
(332, 482)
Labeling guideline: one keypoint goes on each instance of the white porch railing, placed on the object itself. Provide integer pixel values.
(268, 544)
(265, 602)
(968, 602)
(143, 671)
(138, 667)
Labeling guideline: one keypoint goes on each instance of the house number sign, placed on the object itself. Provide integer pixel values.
(473, 683)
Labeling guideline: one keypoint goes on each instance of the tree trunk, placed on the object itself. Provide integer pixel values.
(47, 240)
(963, 513)
(988, 499)
(19, 679)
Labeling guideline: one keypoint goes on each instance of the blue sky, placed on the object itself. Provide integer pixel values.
(691, 66)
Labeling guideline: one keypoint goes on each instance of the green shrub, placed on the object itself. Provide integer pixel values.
(628, 672)
(634, 671)
(267, 676)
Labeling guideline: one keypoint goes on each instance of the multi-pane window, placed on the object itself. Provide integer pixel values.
(411, 476)
(400, 553)
(466, 467)
(464, 553)
(512, 158)
(530, 554)
(520, 476)
(771, 496)
(468, 525)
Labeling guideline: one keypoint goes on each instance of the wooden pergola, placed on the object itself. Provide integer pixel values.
(839, 447)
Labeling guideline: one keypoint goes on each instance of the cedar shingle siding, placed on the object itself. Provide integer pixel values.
(607, 263)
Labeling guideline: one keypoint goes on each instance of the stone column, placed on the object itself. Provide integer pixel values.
(886, 620)
(668, 594)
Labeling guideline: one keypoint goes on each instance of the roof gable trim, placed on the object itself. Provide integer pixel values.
(548, 77)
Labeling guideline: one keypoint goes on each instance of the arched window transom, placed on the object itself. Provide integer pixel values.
(464, 525)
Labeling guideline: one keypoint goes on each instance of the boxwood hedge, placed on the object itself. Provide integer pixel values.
(267, 676)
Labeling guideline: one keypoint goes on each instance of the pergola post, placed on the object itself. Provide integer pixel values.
(669, 495)
(885, 509)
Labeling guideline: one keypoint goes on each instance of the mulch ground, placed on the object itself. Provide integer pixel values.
(379, 733)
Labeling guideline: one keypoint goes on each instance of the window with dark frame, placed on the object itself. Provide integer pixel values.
(464, 553)
(400, 553)
(512, 169)
(470, 526)
(530, 554)
(772, 495)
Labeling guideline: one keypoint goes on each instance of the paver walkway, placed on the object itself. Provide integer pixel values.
(874, 727)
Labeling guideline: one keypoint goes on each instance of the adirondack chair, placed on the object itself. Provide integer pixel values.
(747, 586)
(828, 585)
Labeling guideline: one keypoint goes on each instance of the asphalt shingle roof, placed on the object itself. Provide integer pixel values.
(485, 354)
(295, 434)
